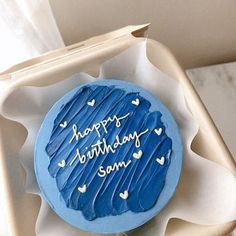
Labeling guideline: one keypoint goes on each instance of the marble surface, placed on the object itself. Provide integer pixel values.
(216, 86)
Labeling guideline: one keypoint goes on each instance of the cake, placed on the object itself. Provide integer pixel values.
(108, 156)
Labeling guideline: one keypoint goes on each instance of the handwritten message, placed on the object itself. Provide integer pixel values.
(102, 147)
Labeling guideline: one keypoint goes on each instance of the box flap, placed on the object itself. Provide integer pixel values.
(135, 30)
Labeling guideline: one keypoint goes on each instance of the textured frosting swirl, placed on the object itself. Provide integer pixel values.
(91, 177)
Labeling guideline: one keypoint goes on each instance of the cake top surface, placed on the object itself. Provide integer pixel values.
(108, 156)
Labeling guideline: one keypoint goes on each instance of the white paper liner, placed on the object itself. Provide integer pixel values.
(206, 193)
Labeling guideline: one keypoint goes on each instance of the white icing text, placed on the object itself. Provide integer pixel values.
(102, 147)
(77, 134)
(102, 172)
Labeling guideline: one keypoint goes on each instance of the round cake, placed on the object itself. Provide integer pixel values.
(108, 156)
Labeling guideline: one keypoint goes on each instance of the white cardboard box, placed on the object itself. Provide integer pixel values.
(22, 208)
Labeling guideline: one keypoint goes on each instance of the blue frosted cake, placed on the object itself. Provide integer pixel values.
(108, 156)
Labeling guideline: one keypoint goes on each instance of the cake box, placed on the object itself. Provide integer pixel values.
(87, 56)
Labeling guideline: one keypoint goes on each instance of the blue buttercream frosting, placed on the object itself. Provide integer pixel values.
(143, 178)
(109, 149)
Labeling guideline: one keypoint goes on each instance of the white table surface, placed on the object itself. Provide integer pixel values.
(217, 87)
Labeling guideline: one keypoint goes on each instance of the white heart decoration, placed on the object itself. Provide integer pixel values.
(136, 102)
(83, 189)
(138, 155)
(124, 195)
(91, 103)
(63, 125)
(62, 163)
(158, 131)
(161, 160)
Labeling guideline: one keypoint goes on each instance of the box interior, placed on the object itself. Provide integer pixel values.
(22, 207)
